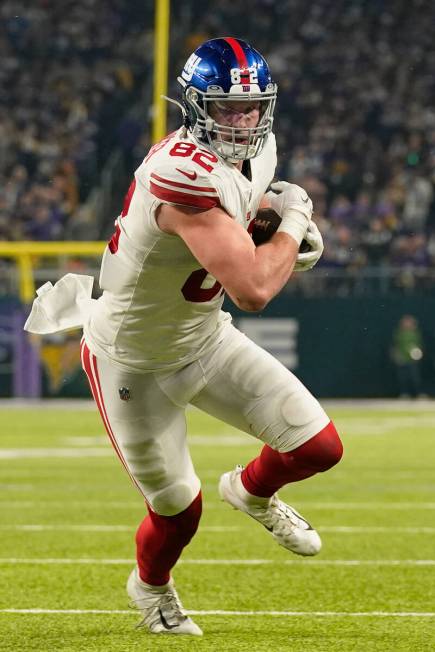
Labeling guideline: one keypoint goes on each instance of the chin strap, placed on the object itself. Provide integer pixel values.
(186, 121)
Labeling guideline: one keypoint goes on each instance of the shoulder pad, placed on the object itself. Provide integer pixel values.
(181, 182)
(179, 179)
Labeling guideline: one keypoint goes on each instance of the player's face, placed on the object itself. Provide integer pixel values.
(236, 113)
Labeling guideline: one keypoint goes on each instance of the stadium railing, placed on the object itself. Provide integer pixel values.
(42, 261)
(28, 255)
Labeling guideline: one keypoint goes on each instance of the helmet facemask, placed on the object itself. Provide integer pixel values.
(231, 143)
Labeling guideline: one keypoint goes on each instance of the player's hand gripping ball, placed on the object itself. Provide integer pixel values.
(266, 223)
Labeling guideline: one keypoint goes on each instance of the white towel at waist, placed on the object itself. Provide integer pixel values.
(62, 306)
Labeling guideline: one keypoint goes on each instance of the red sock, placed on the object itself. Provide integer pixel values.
(161, 539)
(272, 470)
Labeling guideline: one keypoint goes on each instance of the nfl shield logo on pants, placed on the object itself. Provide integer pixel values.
(124, 394)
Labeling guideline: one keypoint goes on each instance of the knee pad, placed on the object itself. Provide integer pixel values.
(181, 526)
(319, 453)
(283, 418)
(174, 498)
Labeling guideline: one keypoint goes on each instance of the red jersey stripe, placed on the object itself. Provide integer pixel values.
(184, 198)
(128, 198)
(177, 184)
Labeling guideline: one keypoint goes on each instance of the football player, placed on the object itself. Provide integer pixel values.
(157, 339)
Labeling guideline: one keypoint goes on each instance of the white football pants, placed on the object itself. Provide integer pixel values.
(237, 382)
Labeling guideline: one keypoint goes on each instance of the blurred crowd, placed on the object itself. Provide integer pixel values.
(68, 73)
(355, 118)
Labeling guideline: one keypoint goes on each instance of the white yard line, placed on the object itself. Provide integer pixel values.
(99, 446)
(343, 505)
(122, 504)
(374, 529)
(340, 529)
(102, 528)
(317, 562)
(72, 404)
(88, 404)
(44, 453)
(221, 562)
(222, 612)
(302, 504)
(67, 528)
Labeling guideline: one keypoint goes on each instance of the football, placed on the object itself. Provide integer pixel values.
(265, 224)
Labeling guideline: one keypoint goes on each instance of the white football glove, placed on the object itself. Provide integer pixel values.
(307, 260)
(293, 206)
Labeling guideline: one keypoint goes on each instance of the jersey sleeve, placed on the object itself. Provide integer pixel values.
(183, 184)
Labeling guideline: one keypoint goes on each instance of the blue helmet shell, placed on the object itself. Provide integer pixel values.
(224, 69)
(217, 57)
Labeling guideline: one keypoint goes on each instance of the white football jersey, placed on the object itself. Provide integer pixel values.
(159, 308)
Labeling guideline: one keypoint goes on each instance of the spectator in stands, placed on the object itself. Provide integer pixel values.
(418, 199)
(66, 79)
(376, 242)
(356, 114)
(359, 117)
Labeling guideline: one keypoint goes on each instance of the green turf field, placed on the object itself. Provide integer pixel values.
(68, 515)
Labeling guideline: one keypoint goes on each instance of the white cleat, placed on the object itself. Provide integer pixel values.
(286, 525)
(161, 608)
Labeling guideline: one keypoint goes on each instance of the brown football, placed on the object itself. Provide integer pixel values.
(266, 223)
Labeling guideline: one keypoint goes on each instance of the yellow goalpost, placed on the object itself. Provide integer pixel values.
(161, 52)
(26, 253)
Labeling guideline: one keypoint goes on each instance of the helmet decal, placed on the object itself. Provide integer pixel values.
(190, 67)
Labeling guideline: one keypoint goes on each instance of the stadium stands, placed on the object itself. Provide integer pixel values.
(355, 119)
(69, 71)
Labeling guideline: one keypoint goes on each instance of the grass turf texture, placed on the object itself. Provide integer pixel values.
(382, 491)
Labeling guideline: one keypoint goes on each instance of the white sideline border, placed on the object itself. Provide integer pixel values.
(222, 612)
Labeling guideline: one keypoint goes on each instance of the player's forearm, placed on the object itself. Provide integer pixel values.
(272, 267)
(251, 275)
